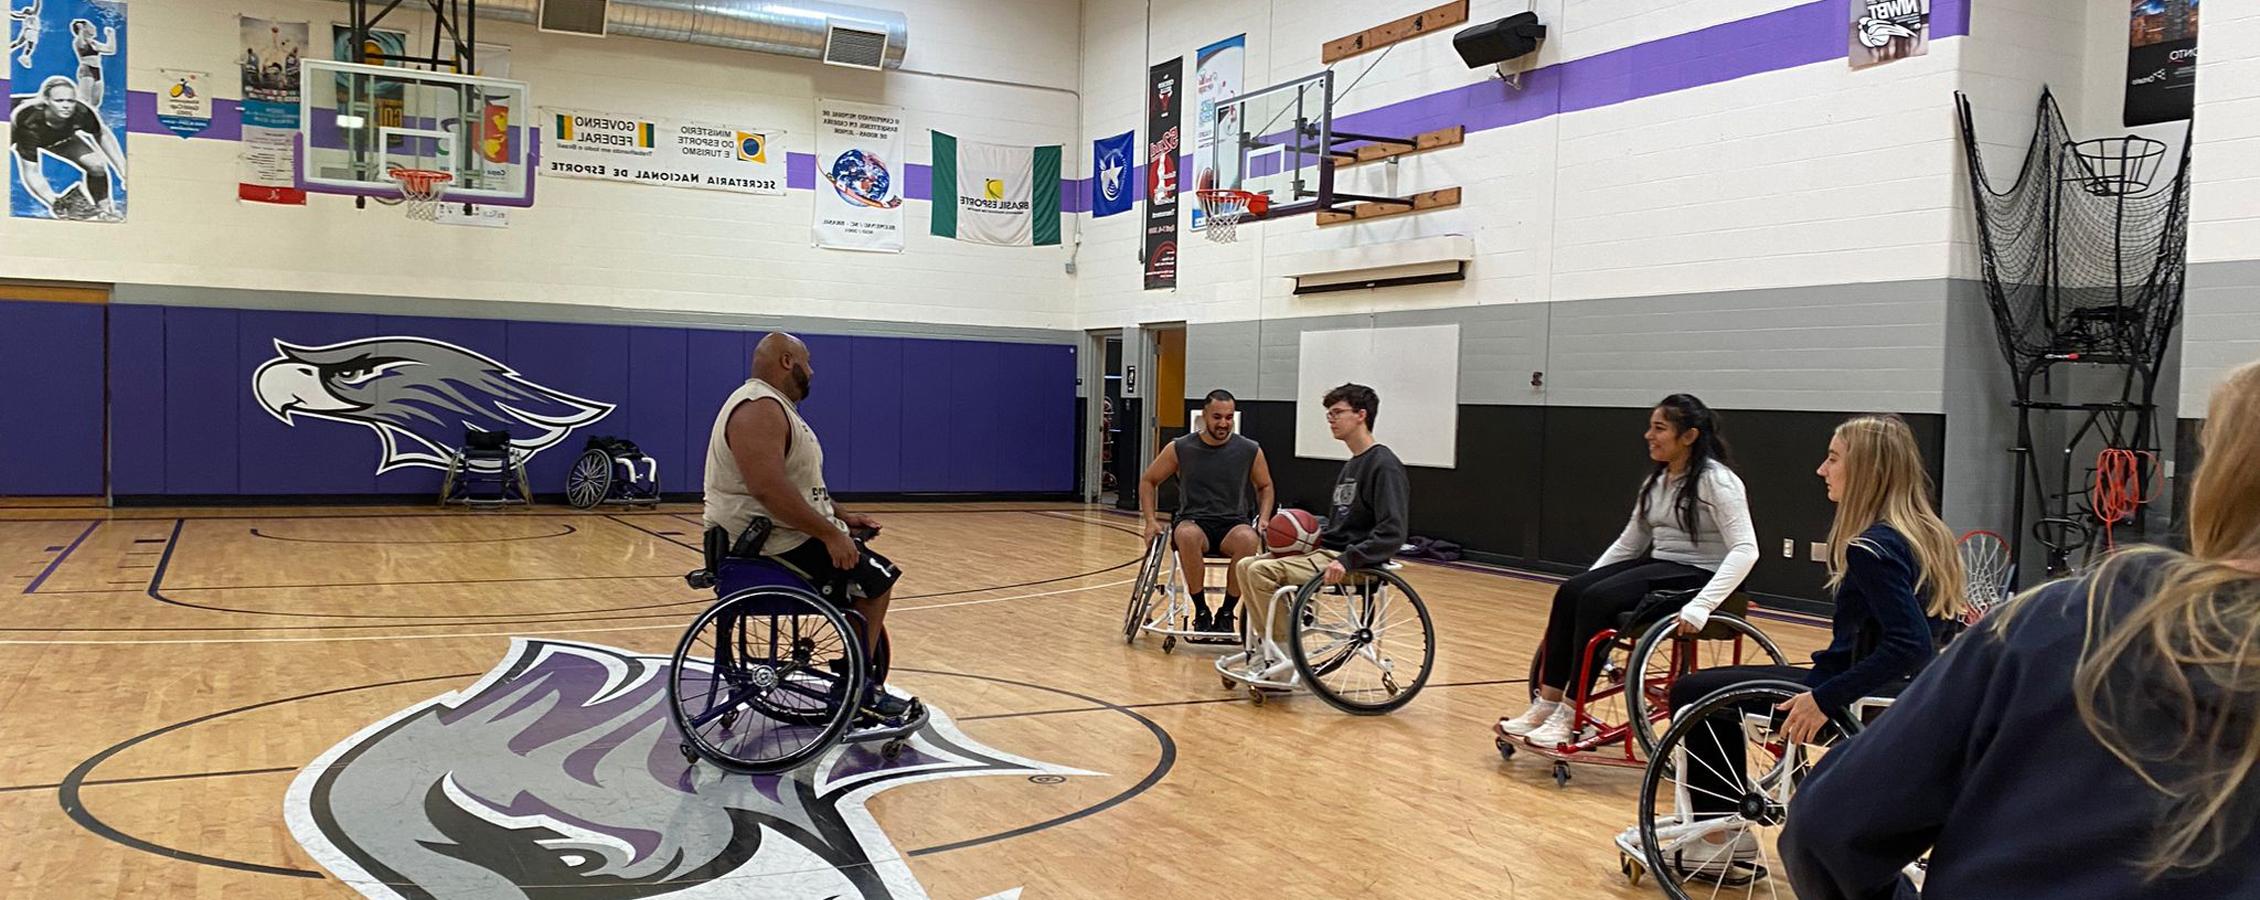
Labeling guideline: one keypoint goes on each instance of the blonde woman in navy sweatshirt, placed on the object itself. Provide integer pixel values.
(2098, 739)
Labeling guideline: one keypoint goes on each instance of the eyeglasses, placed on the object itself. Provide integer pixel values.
(1333, 414)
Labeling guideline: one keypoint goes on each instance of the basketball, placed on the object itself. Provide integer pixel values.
(1292, 532)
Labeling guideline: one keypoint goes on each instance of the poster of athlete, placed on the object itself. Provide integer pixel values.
(67, 127)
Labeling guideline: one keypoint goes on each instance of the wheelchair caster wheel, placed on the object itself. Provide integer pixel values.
(1255, 695)
(690, 756)
(1169, 644)
(729, 719)
(1227, 681)
(891, 750)
(1631, 868)
(1561, 774)
(1506, 748)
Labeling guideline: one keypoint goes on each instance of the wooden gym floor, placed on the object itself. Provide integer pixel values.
(190, 703)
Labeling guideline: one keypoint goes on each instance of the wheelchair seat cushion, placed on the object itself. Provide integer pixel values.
(1661, 605)
(616, 447)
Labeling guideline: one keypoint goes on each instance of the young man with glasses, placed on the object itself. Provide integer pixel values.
(1365, 522)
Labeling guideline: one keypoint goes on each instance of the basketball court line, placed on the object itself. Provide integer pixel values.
(57, 562)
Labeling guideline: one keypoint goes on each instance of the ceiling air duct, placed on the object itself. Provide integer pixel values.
(834, 33)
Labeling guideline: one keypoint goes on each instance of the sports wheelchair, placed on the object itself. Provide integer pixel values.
(487, 472)
(1348, 642)
(1674, 837)
(606, 473)
(772, 675)
(1158, 602)
(1625, 681)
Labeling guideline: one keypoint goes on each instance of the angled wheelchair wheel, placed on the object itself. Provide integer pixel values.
(1364, 646)
(590, 480)
(1141, 593)
(765, 680)
(1715, 796)
(1660, 658)
(449, 478)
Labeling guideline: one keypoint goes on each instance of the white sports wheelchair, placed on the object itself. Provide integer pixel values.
(1160, 602)
(1354, 644)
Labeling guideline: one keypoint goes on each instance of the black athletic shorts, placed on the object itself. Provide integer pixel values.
(874, 575)
(1216, 530)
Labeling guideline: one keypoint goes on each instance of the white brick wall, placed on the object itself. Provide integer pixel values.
(2222, 320)
(594, 242)
(1812, 175)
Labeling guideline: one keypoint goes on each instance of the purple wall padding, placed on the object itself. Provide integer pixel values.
(930, 392)
(876, 395)
(654, 413)
(51, 421)
(894, 414)
(137, 399)
(205, 386)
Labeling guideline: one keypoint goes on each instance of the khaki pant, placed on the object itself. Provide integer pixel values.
(1260, 576)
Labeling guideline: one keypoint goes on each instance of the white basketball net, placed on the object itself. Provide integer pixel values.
(1224, 210)
(421, 190)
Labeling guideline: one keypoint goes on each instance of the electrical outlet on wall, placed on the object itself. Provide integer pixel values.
(1820, 551)
(1788, 548)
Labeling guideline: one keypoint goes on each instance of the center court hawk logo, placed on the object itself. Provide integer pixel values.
(558, 775)
(418, 395)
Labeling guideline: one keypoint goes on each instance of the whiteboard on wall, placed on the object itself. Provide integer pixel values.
(1416, 370)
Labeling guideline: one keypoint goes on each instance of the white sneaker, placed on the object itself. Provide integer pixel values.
(1530, 719)
(1687, 847)
(1555, 731)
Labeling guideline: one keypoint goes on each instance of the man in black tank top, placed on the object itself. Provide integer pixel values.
(1214, 468)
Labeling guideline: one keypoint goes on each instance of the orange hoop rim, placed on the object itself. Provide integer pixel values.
(420, 180)
(1257, 204)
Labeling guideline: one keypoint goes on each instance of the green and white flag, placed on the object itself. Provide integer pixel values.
(1004, 195)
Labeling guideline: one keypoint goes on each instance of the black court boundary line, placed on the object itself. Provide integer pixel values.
(67, 791)
(531, 537)
(144, 779)
(57, 562)
(1239, 697)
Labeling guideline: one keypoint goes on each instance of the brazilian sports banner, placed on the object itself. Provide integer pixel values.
(2161, 61)
(1165, 113)
(860, 172)
(68, 129)
(643, 150)
(995, 193)
(271, 51)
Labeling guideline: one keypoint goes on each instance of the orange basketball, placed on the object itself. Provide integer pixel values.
(1292, 532)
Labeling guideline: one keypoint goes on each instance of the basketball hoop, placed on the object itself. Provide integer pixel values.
(2116, 167)
(1225, 209)
(421, 190)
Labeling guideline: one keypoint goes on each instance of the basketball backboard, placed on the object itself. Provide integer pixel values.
(1273, 141)
(360, 122)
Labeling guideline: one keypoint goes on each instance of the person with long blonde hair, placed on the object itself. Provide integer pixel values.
(2096, 738)
(1898, 588)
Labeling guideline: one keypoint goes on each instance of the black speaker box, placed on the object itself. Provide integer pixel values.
(1499, 41)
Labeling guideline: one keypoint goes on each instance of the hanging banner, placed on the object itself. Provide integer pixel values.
(1164, 112)
(270, 111)
(612, 147)
(68, 130)
(182, 105)
(1216, 76)
(2161, 61)
(1885, 30)
(859, 168)
(995, 193)
(1110, 174)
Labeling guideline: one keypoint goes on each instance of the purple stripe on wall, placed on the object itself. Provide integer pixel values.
(1784, 39)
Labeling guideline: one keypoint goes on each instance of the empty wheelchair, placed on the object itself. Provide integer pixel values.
(1159, 603)
(771, 676)
(1622, 697)
(1365, 646)
(612, 470)
(485, 473)
(1715, 797)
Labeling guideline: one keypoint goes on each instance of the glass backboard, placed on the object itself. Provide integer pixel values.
(1273, 141)
(359, 122)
